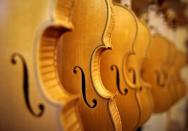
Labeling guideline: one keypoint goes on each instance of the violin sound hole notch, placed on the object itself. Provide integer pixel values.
(126, 90)
(26, 86)
(115, 67)
(133, 75)
(75, 70)
(158, 79)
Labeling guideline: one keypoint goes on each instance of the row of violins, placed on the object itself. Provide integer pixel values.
(105, 68)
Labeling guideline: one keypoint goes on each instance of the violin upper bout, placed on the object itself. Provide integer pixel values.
(106, 38)
(106, 44)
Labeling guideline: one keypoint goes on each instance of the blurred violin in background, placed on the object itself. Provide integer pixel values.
(155, 73)
(179, 83)
(133, 72)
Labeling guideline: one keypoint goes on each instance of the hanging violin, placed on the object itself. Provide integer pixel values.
(170, 68)
(134, 73)
(173, 69)
(28, 96)
(131, 104)
(78, 65)
(180, 63)
(47, 70)
(112, 64)
(155, 73)
(180, 85)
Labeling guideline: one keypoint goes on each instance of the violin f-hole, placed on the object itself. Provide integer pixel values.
(115, 67)
(26, 86)
(84, 87)
(158, 79)
(134, 75)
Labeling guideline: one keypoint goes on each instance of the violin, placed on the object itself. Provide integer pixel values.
(155, 73)
(134, 70)
(79, 63)
(25, 47)
(135, 106)
(112, 66)
(134, 73)
(47, 70)
(170, 70)
(176, 60)
(180, 85)
(181, 61)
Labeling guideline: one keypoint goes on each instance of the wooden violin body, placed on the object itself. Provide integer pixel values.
(23, 99)
(134, 73)
(180, 85)
(56, 51)
(135, 106)
(47, 69)
(78, 63)
(176, 61)
(182, 62)
(155, 73)
(112, 66)
(170, 67)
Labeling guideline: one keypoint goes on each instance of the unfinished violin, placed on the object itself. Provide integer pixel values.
(112, 66)
(180, 62)
(135, 107)
(78, 64)
(47, 70)
(133, 73)
(155, 73)
(170, 68)
(28, 66)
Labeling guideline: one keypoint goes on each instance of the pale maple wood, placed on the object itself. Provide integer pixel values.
(112, 62)
(135, 105)
(80, 51)
(47, 66)
(156, 73)
(21, 26)
(179, 61)
(170, 67)
(134, 73)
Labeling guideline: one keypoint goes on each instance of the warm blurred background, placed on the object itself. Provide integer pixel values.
(170, 18)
